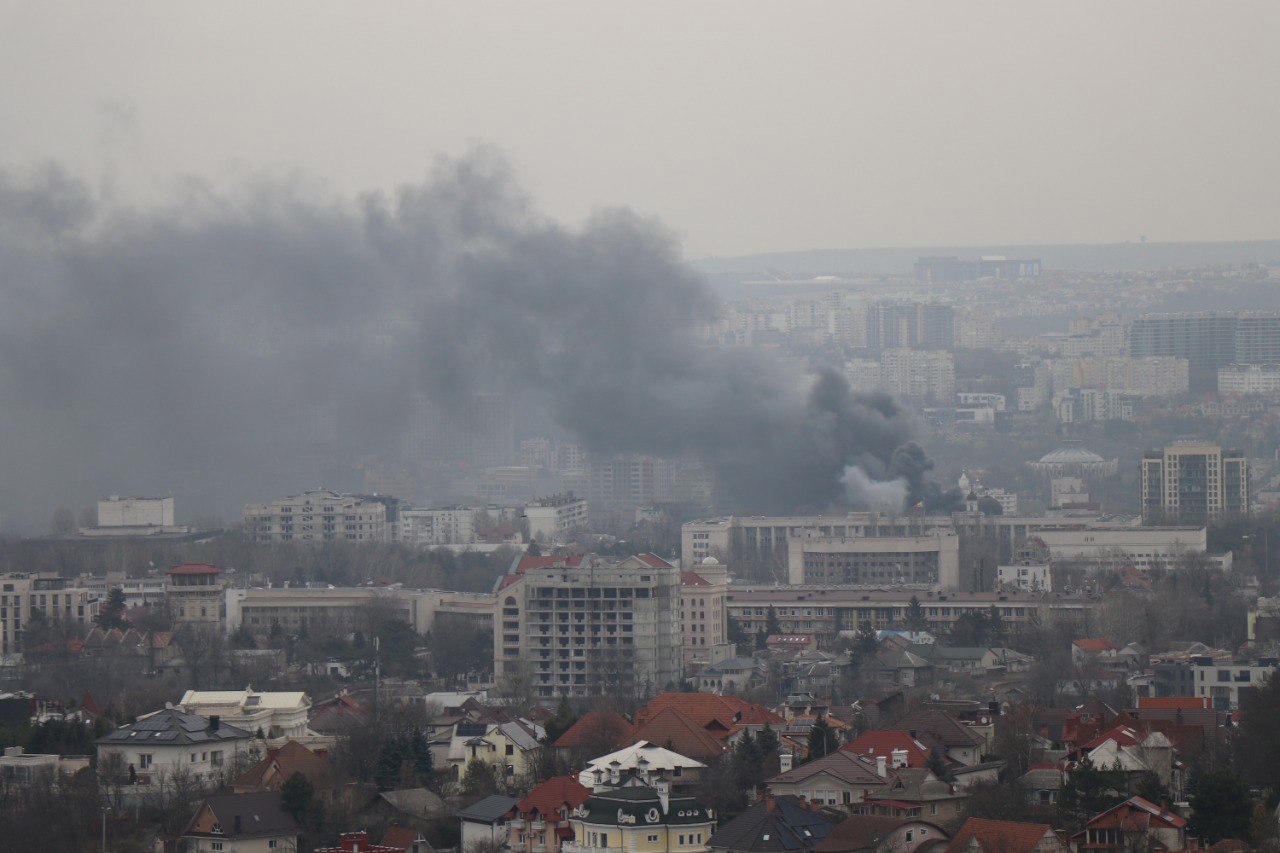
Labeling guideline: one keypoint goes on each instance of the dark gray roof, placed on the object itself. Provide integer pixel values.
(488, 810)
(643, 806)
(172, 727)
(773, 825)
(261, 814)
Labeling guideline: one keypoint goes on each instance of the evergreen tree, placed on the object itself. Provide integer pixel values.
(560, 723)
(111, 613)
(864, 642)
(1221, 807)
(914, 617)
(1088, 791)
(767, 741)
(822, 740)
(423, 764)
(1151, 789)
(296, 794)
(386, 773)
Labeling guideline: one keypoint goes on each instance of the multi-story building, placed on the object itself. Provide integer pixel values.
(755, 537)
(327, 609)
(553, 519)
(1249, 379)
(116, 511)
(928, 559)
(134, 517)
(194, 593)
(950, 268)
(927, 376)
(1209, 340)
(275, 715)
(1144, 547)
(586, 626)
(826, 611)
(433, 528)
(641, 819)
(1194, 481)
(1025, 576)
(704, 619)
(24, 594)
(1225, 683)
(322, 516)
(919, 325)
(1148, 376)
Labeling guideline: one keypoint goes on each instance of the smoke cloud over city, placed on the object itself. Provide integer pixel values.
(229, 345)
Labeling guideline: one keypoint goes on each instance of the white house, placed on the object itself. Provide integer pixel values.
(169, 743)
(276, 715)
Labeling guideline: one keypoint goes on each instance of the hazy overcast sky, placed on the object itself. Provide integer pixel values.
(745, 126)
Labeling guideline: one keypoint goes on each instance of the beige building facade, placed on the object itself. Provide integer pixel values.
(586, 626)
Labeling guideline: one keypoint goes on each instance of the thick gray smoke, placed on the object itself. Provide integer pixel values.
(228, 346)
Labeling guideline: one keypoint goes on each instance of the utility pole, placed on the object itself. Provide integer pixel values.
(105, 809)
(377, 670)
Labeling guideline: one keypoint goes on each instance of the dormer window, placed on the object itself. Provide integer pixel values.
(216, 829)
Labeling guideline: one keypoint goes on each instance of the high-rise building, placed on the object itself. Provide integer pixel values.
(1209, 340)
(586, 626)
(1194, 481)
(704, 618)
(925, 376)
(919, 325)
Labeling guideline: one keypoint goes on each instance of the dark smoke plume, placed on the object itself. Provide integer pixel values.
(227, 346)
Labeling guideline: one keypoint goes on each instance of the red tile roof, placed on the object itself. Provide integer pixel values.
(400, 837)
(676, 731)
(542, 561)
(1004, 836)
(884, 741)
(194, 569)
(551, 795)
(1096, 644)
(707, 708)
(693, 579)
(595, 727)
(1173, 703)
(650, 559)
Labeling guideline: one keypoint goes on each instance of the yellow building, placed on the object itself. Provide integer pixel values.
(639, 819)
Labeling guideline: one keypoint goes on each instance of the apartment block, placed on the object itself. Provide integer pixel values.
(704, 619)
(322, 516)
(553, 519)
(1194, 481)
(24, 594)
(1249, 379)
(586, 626)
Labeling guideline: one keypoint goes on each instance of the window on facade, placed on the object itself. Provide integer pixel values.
(144, 760)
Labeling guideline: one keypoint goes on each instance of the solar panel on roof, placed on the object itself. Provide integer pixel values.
(152, 724)
(166, 735)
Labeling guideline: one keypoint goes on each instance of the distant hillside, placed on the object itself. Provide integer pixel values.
(1098, 258)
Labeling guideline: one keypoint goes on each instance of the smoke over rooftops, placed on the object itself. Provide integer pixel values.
(189, 348)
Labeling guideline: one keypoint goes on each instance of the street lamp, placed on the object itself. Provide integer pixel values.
(105, 809)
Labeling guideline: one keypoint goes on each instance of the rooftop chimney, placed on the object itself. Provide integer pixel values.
(784, 761)
(214, 722)
(881, 771)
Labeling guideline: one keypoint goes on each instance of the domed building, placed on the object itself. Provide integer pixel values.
(1072, 460)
